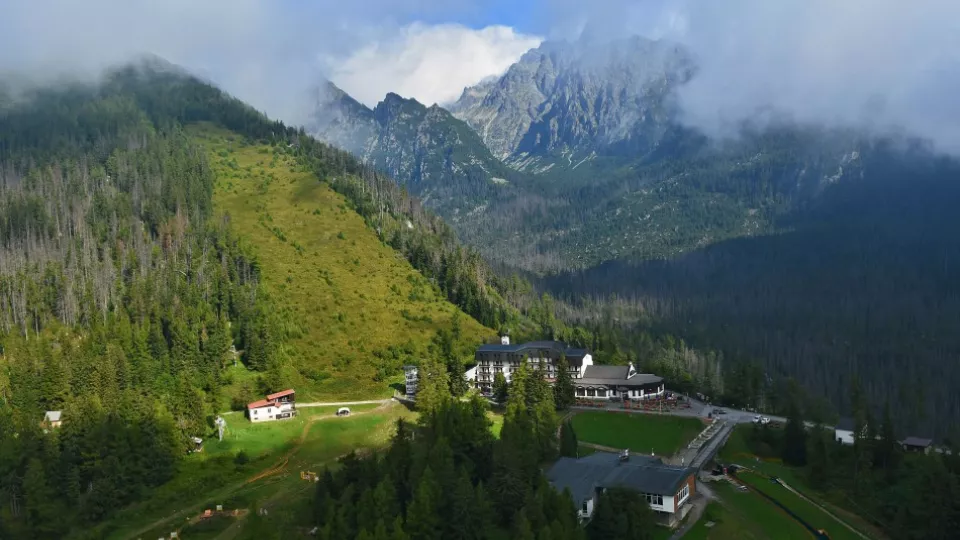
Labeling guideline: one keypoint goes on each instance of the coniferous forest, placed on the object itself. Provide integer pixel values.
(121, 294)
(448, 477)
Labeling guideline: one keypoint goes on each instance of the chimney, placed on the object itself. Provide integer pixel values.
(504, 340)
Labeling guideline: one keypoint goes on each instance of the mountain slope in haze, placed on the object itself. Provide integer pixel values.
(434, 155)
(597, 167)
(563, 102)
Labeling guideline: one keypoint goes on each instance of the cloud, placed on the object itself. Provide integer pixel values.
(882, 65)
(267, 52)
(430, 63)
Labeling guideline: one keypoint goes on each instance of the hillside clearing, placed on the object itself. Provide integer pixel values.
(205, 481)
(354, 310)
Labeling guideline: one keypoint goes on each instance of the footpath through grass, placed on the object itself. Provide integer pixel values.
(642, 433)
(745, 515)
(354, 310)
(737, 451)
(208, 479)
(806, 511)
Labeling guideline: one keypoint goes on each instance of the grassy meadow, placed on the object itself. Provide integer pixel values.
(308, 443)
(641, 433)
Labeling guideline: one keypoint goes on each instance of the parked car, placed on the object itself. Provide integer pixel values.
(719, 411)
(764, 420)
(343, 411)
(756, 419)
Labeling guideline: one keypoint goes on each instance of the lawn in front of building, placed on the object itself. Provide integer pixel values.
(642, 433)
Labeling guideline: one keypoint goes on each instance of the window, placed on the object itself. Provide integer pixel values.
(584, 509)
(602, 392)
(654, 499)
(580, 391)
(683, 493)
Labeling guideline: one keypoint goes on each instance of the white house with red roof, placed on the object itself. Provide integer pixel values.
(277, 406)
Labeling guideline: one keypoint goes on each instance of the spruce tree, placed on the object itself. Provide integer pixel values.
(433, 388)
(397, 531)
(568, 440)
(886, 450)
(423, 516)
(795, 438)
(521, 528)
(563, 389)
(380, 531)
(500, 387)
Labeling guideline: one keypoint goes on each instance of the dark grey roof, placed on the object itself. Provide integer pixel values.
(609, 459)
(917, 441)
(580, 478)
(555, 348)
(641, 473)
(606, 372)
(845, 424)
(615, 376)
(654, 479)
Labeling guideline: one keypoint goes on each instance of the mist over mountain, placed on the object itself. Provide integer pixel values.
(577, 154)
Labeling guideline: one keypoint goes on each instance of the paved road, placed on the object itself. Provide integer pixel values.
(698, 409)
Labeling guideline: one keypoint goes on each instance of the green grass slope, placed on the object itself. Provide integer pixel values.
(354, 309)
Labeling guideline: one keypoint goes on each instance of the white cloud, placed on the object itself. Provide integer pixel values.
(267, 52)
(884, 65)
(430, 63)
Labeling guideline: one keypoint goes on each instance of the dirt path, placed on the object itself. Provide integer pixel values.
(285, 459)
(824, 510)
(601, 447)
(226, 490)
(331, 404)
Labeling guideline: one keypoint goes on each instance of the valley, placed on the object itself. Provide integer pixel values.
(511, 290)
(812, 252)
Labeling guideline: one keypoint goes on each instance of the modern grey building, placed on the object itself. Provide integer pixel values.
(667, 488)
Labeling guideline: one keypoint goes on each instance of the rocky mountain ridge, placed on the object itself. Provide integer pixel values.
(575, 156)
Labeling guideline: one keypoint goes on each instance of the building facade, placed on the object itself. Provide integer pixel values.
(591, 381)
(52, 419)
(618, 383)
(506, 358)
(667, 489)
(410, 378)
(843, 432)
(277, 406)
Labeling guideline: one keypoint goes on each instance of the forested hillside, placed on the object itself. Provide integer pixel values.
(863, 284)
(122, 288)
